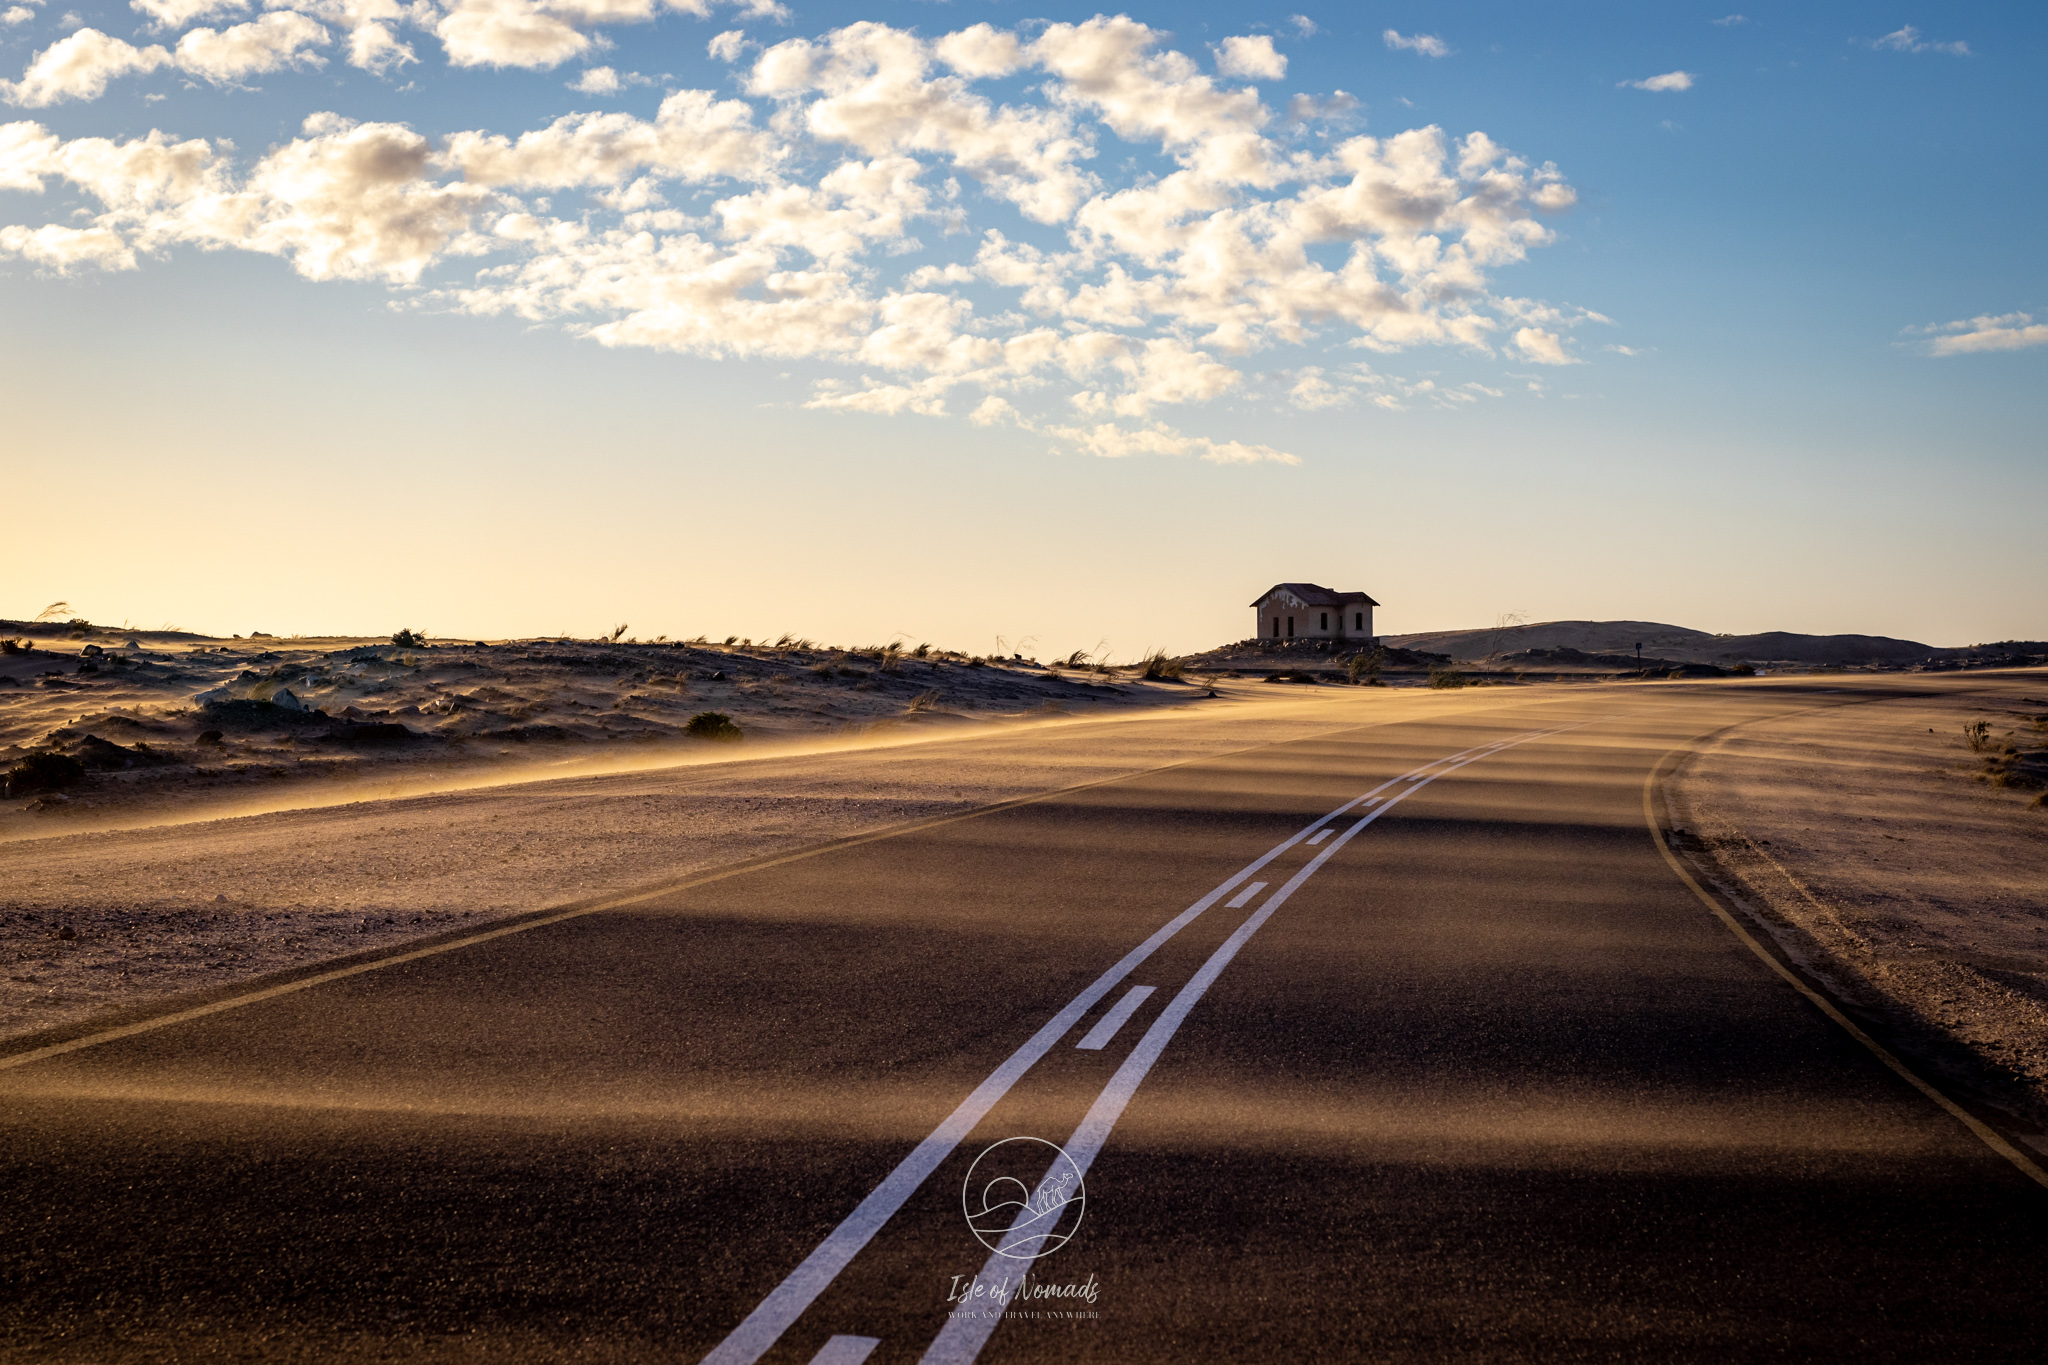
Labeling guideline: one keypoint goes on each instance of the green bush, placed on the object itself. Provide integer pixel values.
(1444, 678)
(713, 725)
(44, 772)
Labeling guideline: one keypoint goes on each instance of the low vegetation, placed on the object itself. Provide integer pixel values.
(714, 725)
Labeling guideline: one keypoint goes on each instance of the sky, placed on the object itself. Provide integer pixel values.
(1036, 327)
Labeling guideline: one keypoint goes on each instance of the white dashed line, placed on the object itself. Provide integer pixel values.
(1119, 1013)
(845, 1350)
(1237, 902)
(1320, 836)
(763, 1327)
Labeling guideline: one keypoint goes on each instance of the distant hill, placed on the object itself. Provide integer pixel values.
(1677, 643)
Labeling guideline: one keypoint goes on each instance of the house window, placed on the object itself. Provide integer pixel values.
(1326, 622)
(1358, 620)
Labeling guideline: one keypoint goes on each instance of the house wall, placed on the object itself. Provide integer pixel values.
(1311, 623)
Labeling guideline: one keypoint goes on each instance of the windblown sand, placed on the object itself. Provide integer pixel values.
(174, 908)
(1874, 843)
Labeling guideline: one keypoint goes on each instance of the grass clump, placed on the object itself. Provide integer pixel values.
(1977, 734)
(925, 701)
(1444, 679)
(409, 639)
(44, 771)
(714, 725)
(1159, 668)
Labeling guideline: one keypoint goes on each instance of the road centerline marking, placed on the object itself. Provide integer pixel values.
(1238, 901)
(1119, 1014)
(1320, 836)
(962, 1338)
(758, 1332)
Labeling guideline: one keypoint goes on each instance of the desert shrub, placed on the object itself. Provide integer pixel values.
(410, 639)
(1744, 670)
(1445, 678)
(16, 646)
(1159, 668)
(713, 725)
(925, 701)
(823, 670)
(923, 651)
(44, 772)
(891, 657)
(1365, 668)
(1977, 734)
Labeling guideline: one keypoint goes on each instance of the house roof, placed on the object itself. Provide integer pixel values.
(1316, 595)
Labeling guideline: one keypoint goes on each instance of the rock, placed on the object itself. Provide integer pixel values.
(67, 933)
(286, 699)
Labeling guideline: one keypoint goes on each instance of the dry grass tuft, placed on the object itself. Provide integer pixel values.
(925, 701)
(1159, 668)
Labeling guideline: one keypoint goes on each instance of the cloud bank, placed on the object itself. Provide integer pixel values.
(1121, 237)
(2005, 332)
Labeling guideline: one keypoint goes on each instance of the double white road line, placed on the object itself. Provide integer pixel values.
(963, 1336)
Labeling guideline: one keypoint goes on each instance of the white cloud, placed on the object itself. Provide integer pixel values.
(507, 33)
(61, 248)
(375, 47)
(16, 14)
(173, 14)
(1252, 58)
(805, 204)
(1307, 108)
(2004, 332)
(1729, 20)
(1426, 44)
(1311, 390)
(271, 43)
(727, 46)
(1114, 442)
(1304, 25)
(79, 67)
(1670, 80)
(1909, 39)
(694, 137)
(1542, 347)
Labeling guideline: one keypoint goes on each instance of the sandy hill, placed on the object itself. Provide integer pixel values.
(1677, 643)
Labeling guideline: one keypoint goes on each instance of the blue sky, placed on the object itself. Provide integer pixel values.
(1757, 348)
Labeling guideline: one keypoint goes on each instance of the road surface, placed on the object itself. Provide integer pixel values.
(1400, 1043)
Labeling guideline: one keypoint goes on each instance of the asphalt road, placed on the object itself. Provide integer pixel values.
(1474, 1078)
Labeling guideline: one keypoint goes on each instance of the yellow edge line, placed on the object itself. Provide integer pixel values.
(666, 888)
(1988, 1134)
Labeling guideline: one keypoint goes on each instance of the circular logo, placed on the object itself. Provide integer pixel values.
(1023, 1198)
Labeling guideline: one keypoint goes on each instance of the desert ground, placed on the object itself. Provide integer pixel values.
(1894, 853)
(1897, 849)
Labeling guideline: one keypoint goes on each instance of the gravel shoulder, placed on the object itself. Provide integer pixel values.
(1900, 865)
(93, 922)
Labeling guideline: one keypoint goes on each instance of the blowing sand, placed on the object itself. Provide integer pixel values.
(157, 911)
(1902, 866)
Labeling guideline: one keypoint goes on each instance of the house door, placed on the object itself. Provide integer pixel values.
(1290, 627)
